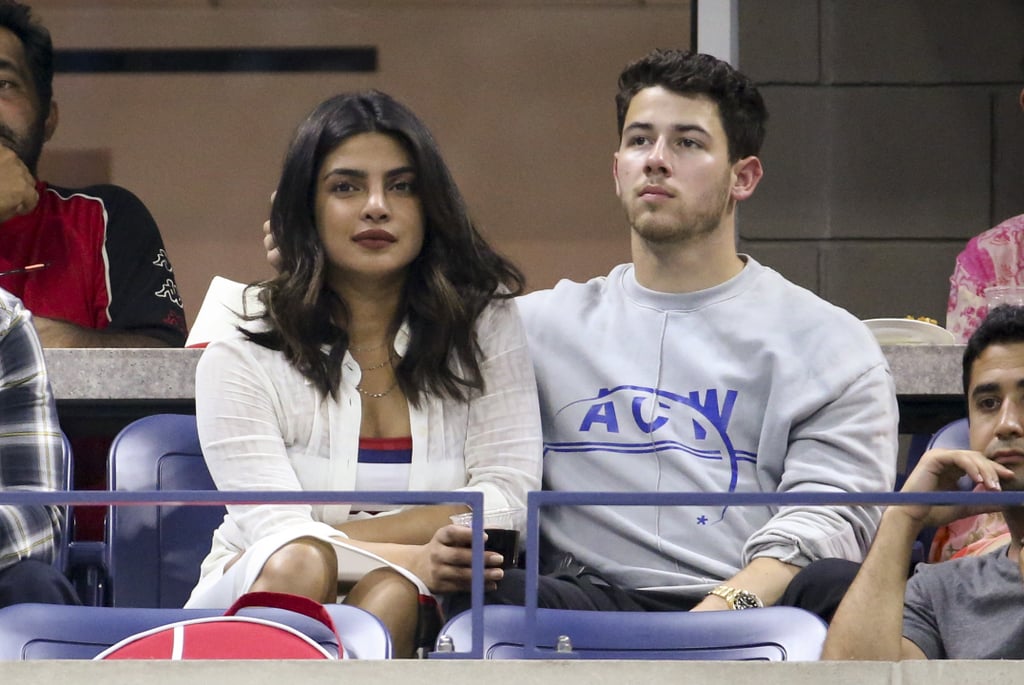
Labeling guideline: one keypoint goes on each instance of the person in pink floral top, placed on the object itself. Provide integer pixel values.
(995, 257)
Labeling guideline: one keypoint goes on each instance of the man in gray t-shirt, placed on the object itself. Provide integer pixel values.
(970, 608)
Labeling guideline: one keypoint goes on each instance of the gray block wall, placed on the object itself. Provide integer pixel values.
(895, 135)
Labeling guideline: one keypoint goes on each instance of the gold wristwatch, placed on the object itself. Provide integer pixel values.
(736, 598)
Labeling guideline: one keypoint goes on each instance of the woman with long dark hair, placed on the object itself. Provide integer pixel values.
(388, 355)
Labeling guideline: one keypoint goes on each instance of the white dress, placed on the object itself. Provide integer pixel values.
(264, 426)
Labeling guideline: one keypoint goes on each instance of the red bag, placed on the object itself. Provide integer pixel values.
(238, 637)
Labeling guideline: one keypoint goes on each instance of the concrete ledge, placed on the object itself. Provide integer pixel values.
(926, 369)
(122, 374)
(534, 672)
(169, 374)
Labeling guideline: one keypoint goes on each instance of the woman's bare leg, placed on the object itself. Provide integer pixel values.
(306, 566)
(395, 601)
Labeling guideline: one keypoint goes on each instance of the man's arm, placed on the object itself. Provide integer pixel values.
(848, 444)
(765, 577)
(868, 625)
(869, 622)
(145, 307)
(57, 333)
(30, 441)
(18, 194)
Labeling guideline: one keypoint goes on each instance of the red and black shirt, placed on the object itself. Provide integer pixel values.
(107, 267)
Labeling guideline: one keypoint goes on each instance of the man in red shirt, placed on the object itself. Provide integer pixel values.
(88, 263)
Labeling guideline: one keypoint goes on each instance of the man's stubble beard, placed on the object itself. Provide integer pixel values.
(28, 147)
(663, 230)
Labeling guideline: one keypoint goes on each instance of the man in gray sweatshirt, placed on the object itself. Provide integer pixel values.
(697, 369)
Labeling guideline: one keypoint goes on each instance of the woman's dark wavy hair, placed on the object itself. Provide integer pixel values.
(449, 283)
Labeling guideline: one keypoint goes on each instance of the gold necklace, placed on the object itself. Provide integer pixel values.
(377, 395)
(384, 363)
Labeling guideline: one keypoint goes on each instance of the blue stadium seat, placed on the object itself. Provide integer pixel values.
(769, 634)
(154, 552)
(51, 631)
(954, 435)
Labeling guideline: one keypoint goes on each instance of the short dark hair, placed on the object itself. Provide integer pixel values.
(455, 276)
(740, 105)
(1004, 324)
(35, 41)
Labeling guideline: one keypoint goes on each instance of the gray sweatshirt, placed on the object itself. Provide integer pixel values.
(754, 385)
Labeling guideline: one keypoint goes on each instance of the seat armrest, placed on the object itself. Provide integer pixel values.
(87, 570)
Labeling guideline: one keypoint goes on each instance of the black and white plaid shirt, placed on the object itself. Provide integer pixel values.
(30, 439)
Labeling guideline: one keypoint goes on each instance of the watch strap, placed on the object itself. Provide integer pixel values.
(737, 598)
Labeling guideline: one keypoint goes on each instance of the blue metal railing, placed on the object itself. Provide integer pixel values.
(535, 501)
(474, 500)
(538, 499)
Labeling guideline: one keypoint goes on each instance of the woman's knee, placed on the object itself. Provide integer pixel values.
(306, 566)
(393, 599)
(383, 583)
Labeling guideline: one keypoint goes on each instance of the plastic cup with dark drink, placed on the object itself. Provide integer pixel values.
(502, 528)
(505, 542)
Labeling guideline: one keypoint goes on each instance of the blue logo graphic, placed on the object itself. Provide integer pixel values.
(634, 420)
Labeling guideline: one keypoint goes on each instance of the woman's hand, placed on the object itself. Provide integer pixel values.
(445, 563)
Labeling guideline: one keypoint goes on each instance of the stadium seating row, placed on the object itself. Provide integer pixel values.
(141, 574)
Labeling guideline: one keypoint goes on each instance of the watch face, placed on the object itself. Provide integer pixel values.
(746, 600)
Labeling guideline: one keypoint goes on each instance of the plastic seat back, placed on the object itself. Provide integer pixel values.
(954, 435)
(154, 553)
(50, 631)
(769, 634)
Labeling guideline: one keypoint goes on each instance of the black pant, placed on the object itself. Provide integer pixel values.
(818, 588)
(31, 580)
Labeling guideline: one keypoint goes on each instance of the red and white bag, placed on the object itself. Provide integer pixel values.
(238, 637)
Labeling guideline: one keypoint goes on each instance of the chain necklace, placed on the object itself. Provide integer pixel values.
(391, 358)
(377, 395)
(384, 363)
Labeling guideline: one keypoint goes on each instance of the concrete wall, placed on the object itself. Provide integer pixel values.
(895, 133)
(519, 94)
(895, 136)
